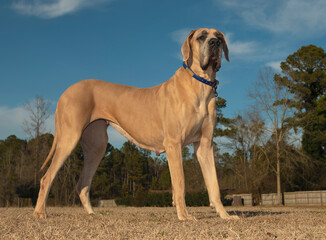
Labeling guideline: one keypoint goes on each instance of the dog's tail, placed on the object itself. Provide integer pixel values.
(54, 144)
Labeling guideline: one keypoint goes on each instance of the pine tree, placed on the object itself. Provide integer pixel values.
(305, 76)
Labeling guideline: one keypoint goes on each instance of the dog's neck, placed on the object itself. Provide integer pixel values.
(209, 74)
(203, 78)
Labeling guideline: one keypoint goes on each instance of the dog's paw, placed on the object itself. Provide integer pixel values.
(234, 217)
(42, 215)
(187, 217)
(230, 217)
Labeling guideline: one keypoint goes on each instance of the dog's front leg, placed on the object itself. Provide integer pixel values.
(174, 155)
(205, 156)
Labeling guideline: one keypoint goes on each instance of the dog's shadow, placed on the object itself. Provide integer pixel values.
(247, 214)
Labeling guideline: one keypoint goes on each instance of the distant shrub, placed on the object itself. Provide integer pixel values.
(159, 199)
(140, 198)
(197, 199)
(126, 201)
(143, 198)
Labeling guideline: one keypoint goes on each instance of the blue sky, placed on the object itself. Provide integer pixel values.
(47, 45)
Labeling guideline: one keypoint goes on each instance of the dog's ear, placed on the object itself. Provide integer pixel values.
(225, 48)
(186, 48)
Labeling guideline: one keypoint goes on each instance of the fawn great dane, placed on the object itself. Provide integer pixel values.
(164, 118)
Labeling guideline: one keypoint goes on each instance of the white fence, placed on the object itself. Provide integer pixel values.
(269, 199)
(305, 198)
(107, 203)
(296, 198)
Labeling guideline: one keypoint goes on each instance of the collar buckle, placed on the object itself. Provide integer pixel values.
(215, 86)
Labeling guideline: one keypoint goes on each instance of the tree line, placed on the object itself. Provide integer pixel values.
(278, 144)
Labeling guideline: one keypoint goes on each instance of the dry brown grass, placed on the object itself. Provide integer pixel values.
(162, 223)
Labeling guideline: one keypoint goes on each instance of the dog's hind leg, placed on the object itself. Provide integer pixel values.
(65, 145)
(94, 141)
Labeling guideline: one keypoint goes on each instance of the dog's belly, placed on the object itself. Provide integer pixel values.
(151, 143)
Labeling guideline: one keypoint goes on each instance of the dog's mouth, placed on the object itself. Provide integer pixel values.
(213, 59)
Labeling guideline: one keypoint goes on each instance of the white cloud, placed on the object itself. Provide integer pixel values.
(299, 16)
(275, 65)
(292, 16)
(239, 49)
(180, 35)
(12, 122)
(52, 8)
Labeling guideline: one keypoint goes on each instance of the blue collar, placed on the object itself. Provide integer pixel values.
(200, 79)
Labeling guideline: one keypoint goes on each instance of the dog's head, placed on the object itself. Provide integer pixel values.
(204, 47)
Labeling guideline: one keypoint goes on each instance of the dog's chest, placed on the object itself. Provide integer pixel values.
(201, 110)
(195, 120)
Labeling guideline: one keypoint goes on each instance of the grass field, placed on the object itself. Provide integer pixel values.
(162, 223)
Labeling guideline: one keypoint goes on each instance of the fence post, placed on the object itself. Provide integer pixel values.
(321, 198)
(308, 196)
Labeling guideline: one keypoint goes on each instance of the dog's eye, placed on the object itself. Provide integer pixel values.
(201, 38)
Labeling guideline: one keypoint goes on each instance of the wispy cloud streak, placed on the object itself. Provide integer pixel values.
(292, 16)
(52, 8)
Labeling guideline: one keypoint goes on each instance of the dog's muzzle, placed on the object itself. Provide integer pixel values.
(215, 58)
(213, 55)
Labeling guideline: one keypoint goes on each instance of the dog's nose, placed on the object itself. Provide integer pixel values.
(213, 42)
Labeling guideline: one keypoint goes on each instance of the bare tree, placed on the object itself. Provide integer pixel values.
(39, 112)
(273, 99)
(246, 138)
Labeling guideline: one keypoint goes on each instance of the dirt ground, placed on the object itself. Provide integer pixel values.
(162, 223)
